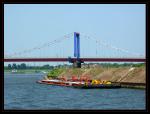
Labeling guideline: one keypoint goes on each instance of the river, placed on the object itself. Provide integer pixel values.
(23, 93)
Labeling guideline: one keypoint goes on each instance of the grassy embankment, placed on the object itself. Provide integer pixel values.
(119, 74)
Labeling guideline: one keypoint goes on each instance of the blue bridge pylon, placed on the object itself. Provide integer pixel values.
(77, 63)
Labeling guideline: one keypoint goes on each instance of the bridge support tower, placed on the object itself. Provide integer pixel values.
(77, 62)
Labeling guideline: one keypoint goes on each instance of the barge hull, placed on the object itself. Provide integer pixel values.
(98, 86)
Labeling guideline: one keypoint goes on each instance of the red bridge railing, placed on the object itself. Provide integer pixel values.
(74, 59)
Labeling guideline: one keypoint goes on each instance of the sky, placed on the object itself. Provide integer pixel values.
(31, 25)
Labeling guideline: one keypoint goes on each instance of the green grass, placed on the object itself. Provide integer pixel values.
(55, 72)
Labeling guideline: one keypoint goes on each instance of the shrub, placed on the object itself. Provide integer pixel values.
(55, 72)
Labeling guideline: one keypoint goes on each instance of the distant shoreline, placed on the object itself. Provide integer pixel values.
(26, 71)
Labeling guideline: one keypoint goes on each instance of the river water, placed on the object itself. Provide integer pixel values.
(22, 92)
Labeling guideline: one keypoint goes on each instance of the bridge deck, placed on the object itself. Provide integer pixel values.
(74, 59)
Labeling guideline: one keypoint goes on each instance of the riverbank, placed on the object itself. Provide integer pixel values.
(128, 77)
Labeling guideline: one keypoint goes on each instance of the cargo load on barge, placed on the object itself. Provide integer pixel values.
(83, 82)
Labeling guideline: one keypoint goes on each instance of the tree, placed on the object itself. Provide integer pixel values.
(51, 67)
(23, 66)
(19, 66)
(46, 66)
(115, 65)
(14, 66)
(9, 66)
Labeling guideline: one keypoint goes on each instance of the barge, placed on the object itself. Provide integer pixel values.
(60, 83)
(102, 86)
(79, 84)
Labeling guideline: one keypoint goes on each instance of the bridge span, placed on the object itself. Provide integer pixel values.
(75, 59)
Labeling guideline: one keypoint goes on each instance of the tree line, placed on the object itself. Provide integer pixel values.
(47, 66)
(24, 66)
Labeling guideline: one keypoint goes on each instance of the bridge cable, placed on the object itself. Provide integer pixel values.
(42, 46)
(112, 47)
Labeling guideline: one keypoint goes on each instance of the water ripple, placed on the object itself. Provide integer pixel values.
(22, 92)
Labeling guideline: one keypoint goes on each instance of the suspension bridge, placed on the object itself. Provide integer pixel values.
(77, 59)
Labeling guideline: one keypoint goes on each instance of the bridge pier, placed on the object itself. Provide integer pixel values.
(77, 64)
